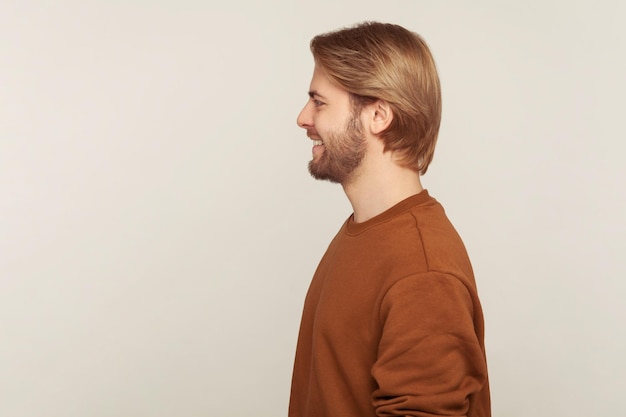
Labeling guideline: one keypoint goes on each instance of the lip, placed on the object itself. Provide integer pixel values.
(313, 135)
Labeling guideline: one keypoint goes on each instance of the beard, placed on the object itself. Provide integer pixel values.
(343, 153)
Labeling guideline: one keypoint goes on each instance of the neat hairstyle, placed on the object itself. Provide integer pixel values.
(381, 61)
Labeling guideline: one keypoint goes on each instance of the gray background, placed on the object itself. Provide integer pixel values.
(158, 227)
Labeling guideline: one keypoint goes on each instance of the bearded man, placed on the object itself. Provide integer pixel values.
(392, 323)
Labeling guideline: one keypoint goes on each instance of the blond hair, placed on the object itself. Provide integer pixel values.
(380, 61)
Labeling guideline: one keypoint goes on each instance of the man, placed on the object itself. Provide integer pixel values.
(392, 323)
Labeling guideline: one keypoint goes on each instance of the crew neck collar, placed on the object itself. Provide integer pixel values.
(354, 228)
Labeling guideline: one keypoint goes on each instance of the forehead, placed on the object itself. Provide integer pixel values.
(321, 85)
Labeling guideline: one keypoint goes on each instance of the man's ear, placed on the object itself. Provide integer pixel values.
(381, 117)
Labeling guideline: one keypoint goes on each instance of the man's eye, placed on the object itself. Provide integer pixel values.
(317, 103)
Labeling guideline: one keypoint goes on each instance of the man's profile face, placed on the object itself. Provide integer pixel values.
(331, 122)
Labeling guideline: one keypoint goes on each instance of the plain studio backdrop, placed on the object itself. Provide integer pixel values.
(159, 229)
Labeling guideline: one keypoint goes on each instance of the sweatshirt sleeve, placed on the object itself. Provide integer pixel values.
(431, 358)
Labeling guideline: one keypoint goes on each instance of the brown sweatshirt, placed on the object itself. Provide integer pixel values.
(392, 323)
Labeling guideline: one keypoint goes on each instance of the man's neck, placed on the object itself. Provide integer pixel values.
(378, 190)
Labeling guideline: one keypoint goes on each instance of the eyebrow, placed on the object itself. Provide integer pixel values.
(314, 93)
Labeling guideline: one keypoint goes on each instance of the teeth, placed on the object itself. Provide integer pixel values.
(317, 142)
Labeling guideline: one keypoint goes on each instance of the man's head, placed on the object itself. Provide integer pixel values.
(377, 61)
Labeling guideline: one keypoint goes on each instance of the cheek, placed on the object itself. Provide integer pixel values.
(324, 124)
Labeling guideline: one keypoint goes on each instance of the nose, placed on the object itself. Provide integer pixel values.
(305, 119)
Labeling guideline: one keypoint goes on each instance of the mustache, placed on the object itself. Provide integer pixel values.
(312, 134)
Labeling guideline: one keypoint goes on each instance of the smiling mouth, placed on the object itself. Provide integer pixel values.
(317, 143)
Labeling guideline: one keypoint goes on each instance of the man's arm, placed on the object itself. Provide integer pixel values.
(431, 359)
